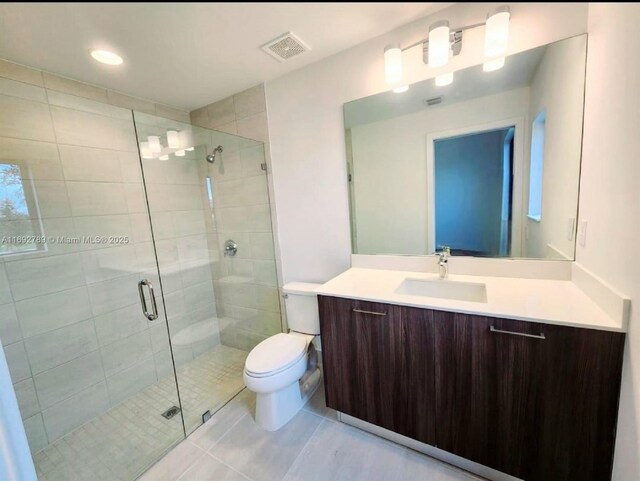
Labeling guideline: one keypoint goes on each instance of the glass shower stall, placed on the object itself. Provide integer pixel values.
(137, 270)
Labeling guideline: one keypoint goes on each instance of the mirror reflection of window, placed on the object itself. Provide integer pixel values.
(19, 220)
(536, 167)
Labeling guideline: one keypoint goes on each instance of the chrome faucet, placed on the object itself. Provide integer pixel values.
(443, 261)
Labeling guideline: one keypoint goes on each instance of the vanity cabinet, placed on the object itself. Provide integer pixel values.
(536, 401)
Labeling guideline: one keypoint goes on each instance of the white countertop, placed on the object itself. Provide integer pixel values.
(535, 300)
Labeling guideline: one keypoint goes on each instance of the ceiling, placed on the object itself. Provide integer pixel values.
(187, 54)
(468, 83)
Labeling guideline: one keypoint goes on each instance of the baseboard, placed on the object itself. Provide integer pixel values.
(439, 454)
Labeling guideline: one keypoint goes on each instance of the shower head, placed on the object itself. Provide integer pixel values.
(211, 158)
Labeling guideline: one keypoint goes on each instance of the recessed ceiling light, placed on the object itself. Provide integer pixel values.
(104, 56)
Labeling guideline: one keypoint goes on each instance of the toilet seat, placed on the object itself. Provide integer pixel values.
(276, 354)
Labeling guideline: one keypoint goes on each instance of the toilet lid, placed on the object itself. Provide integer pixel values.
(276, 353)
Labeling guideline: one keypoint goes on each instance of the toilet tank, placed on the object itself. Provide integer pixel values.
(301, 302)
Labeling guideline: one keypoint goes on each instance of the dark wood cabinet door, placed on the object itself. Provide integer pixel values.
(378, 364)
(577, 404)
(538, 409)
(484, 385)
(416, 345)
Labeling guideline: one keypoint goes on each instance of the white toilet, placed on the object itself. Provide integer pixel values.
(282, 370)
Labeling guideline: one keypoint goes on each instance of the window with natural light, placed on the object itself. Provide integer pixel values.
(536, 167)
(19, 229)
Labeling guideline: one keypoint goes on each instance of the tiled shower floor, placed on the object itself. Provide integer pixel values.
(121, 443)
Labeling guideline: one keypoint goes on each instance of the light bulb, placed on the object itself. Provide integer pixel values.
(185, 138)
(179, 153)
(444, 79)
(399, 90)
(392, 64)
(154, 143)
(439, 45)
(496, 35)
(173, 139)
(494, 64)
(145, 150)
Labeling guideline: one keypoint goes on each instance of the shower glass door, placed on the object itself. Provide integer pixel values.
(211, 219)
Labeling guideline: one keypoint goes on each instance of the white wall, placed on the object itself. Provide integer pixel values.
(307, 129)
(609, 192)
(554, 90)
(390, 169)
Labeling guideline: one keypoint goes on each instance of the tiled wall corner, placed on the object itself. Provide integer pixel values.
(245, 114)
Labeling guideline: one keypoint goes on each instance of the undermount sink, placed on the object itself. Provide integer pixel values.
(444, 289)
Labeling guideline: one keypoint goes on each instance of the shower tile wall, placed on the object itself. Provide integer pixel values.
(70, 321)
(247, 286)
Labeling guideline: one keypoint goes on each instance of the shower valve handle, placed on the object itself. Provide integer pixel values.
(230, 248)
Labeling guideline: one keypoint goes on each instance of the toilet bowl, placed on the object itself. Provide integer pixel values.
(282, 370)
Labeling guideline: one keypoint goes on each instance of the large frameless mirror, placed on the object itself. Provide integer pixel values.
(487, 165)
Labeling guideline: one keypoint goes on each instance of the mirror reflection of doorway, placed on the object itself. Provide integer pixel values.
(473, 183)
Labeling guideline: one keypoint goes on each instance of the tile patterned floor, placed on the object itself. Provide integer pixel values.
(313, 446)
(210, 382)
(124, 441)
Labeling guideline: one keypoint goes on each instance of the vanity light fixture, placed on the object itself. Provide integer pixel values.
(173, 139)
(493, 64)
(106, 57)
(401, 89)
(392, 64)
(439, 45)
(444, 79)
(444, 42)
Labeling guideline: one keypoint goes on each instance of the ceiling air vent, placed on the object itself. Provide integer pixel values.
(285, 47)
(433, 101)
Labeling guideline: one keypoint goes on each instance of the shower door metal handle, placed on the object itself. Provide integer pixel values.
(153, 315)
